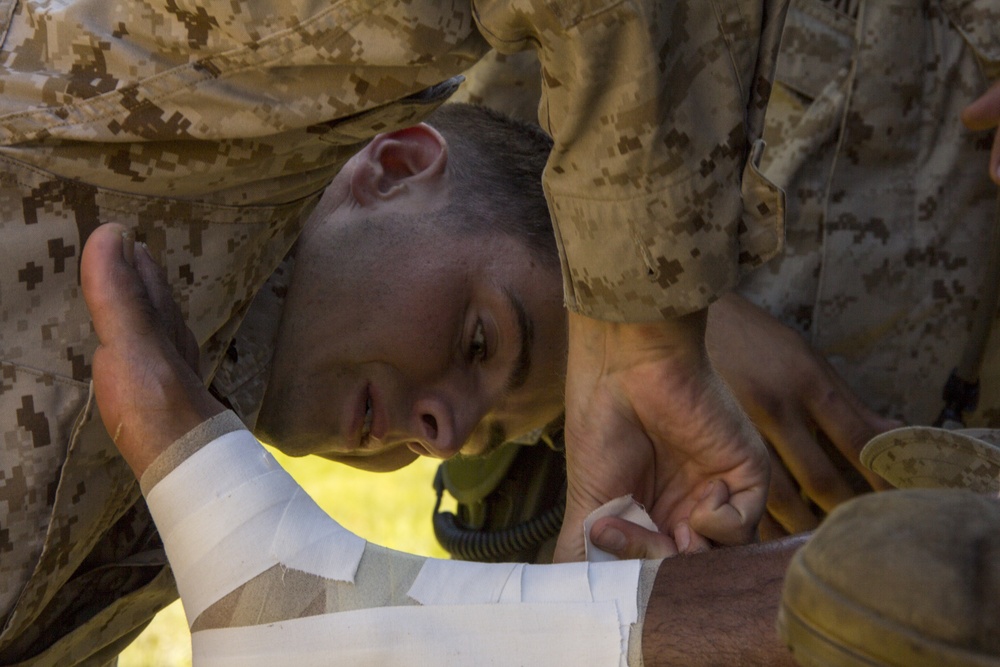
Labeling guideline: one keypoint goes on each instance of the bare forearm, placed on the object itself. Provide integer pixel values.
(719, 607)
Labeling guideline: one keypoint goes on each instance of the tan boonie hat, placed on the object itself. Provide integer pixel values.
(932, 458)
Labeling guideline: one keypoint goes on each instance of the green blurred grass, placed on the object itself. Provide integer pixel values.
(391, 509)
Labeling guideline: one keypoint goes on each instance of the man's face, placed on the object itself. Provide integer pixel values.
(401, 339)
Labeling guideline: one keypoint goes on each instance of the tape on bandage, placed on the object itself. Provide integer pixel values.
(229, 514)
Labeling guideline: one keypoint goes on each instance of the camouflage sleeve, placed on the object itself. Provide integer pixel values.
(656, 109)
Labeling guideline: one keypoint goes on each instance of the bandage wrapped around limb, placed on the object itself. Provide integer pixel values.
(266, 577)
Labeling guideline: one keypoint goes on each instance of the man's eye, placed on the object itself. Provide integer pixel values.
(477, 345)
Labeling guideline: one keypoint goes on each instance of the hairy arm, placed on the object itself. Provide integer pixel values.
(719, 608)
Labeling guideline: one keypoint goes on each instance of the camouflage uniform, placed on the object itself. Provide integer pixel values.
(890, 208)
(211, 127)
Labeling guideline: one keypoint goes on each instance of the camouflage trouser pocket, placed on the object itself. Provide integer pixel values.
(37, 413)
(6, 11)
(978, 21)
(215, 257)
(817, 46)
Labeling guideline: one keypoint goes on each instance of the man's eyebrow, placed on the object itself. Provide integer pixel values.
(526, 329)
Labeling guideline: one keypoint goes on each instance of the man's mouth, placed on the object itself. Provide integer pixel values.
(366, 428)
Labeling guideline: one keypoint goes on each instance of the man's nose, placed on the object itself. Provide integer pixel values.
(440, 428)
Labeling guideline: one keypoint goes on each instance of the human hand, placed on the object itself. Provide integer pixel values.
(647, 415)
(797, 400)
(145, 382)
(984, 114)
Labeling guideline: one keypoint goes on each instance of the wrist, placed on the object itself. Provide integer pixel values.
(682, 338)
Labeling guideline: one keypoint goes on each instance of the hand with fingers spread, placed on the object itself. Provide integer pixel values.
(145, 380)
(803, 408)
(984, 114)
(647, 415)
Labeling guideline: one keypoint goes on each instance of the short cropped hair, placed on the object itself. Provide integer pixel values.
(495, 164)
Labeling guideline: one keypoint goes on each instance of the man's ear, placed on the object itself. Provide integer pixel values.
(393, 162)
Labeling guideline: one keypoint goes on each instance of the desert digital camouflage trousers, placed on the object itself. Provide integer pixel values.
(890, 206)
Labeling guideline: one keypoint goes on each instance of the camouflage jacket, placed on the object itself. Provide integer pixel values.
(890, 207)
(211, 127)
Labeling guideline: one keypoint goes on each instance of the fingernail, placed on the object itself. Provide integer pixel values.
(682, 537)
(708, 490)
(128, 246)
(610, 539)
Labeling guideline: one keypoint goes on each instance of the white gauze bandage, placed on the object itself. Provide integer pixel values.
(235, 524)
